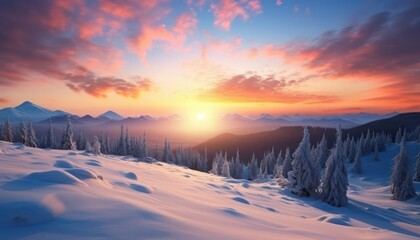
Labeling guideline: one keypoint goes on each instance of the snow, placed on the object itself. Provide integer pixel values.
(55, 194)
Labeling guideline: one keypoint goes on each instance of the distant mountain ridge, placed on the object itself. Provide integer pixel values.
(28, 111)
(290, 136)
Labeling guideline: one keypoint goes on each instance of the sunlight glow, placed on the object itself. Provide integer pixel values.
(201, 116)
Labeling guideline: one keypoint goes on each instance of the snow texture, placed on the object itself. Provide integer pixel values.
(58, 194)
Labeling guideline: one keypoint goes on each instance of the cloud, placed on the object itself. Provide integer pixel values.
(3, 100)
(225, 11)
(385, 45)
(241, 88)
(383, 49)
(44, 39)
(81, 79)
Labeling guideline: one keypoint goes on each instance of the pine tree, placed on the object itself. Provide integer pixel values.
(287, 165)
(398, 136)
(352, 150)
(304, 167)
(253, 168)
(121, 148)
(417, 172)
(68, 143)
(263, 172)
(127, 143)
(32, 140)
(8, 131)
(225, 169)
(88, 147)
(357, 168)
(144, 147)
(237, 171)
(50, 142)
(376, 152)
(271, 161)
(277, 167)
(81, 141)
(322, 152)
(401, 183)
(335, 182)
(167, 153)
(96, 148)
(23, 134)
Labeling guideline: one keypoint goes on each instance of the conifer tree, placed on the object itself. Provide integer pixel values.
(357, 168)
(96, 148)
(8, 131)
(253, 168)
(68, 143)
(121, 148)
(417, 171)
(401, 183)
(50, 142)
(335, 182)
(287, 165)
(304, 167)
(23, 134)
(322, 152)
(32, 140)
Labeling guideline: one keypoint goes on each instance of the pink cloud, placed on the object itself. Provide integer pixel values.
(225, 11)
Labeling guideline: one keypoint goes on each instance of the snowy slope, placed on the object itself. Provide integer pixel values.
(54, 194)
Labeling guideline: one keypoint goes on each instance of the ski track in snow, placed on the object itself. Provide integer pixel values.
(51, 194)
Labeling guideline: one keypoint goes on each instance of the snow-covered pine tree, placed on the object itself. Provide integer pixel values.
(50, 142)
(225, 168)
(376, 151)
(271, 161)
(23, 131)
(96, 148)
(167, 152)
(417, 171)
(401, 182)
(144, 148)
(8, 131)
(335, 182)
(263, 172)
(357, 168)
(88, 147)
(253, 168)
(346, 150)
(32, 140)
(127, 143)
(67, 141)
(287, 165)
(304, 167)
(277, 166)
(237, 171)
(398, 136)
(121, 147)
(352, 150)
(322, 152)
(81, 141)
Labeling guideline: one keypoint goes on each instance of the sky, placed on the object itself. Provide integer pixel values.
(213, 57)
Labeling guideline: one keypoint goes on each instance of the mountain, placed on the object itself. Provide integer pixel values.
(28, 111)
(390, 125)
(111, 115)
(290, 136)
(258, 143)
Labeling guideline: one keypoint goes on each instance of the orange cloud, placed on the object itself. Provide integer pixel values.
(81, 79)
(241, 88)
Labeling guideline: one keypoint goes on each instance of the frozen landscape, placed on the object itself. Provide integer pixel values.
(58, 194)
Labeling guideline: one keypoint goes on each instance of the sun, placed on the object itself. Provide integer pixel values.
(200, 116)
